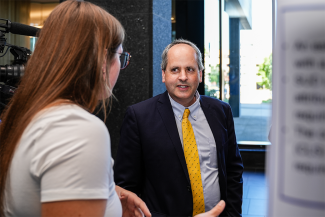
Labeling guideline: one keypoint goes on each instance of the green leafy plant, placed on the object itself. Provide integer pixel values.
(214, 74)
(265, 70)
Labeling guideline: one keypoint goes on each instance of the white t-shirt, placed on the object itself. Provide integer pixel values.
(64, 154)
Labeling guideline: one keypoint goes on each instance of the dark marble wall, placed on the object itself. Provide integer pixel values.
(148, 31)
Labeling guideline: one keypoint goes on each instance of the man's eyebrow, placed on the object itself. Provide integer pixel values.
(176, 66)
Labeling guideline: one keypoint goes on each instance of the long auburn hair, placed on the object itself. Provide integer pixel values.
(65, 66)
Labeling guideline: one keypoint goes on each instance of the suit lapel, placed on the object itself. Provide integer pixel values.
(167, 116)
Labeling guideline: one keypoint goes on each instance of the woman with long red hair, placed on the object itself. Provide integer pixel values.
(55, 155)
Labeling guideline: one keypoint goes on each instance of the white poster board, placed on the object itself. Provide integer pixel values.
(296, 159)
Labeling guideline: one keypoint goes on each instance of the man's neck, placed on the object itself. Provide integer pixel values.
(184, 103)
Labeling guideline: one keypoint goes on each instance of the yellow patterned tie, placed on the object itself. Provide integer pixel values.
(193, 164)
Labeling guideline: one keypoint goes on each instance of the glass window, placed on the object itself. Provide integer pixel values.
(211, 49)
(238, 43)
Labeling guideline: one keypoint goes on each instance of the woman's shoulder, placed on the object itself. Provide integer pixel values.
(66, 120)
(67, 115)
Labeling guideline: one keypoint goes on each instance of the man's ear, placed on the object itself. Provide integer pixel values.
(163, 75)
(200, 74)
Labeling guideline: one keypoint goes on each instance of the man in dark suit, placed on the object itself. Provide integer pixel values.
(153, 158)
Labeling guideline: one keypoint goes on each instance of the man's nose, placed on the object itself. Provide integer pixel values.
(183, 75)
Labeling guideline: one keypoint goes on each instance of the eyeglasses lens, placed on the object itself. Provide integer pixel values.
(124, 58)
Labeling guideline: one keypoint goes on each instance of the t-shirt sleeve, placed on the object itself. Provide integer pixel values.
(72, 159)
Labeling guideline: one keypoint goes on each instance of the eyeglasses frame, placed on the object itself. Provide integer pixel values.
(125, 54)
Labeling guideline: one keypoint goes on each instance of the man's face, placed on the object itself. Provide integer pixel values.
(182, 75)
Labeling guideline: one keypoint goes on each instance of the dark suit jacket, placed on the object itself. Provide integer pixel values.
(150, 160)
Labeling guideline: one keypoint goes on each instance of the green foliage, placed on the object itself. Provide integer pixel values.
(213, 77)
(206, 90)
(267, 101)
(214, 74)
(265, 70)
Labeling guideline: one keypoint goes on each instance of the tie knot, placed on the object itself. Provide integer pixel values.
(186, 113)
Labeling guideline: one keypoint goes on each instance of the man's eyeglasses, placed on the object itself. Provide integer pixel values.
(124, 59)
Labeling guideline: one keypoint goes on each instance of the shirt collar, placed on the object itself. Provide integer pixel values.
(179, 109)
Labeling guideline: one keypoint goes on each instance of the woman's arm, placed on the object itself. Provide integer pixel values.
(74, 208)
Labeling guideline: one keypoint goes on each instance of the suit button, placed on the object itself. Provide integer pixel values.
(189, 188)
